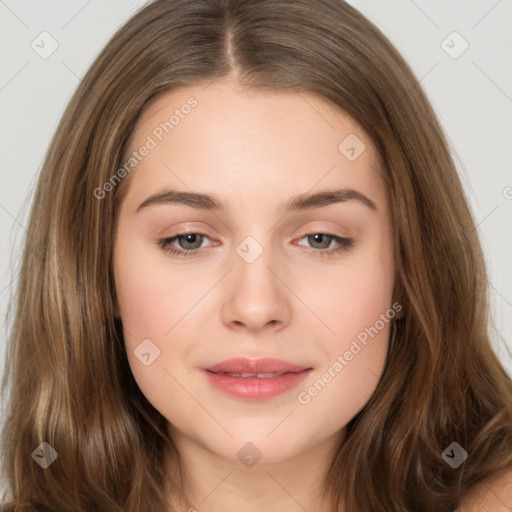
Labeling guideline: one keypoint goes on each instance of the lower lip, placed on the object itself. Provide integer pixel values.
(254, 387)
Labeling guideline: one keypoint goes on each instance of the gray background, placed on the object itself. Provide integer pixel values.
(472, 95)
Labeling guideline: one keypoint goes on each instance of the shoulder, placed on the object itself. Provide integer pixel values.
(491, 495)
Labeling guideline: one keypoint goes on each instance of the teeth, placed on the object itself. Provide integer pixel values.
(248, 375)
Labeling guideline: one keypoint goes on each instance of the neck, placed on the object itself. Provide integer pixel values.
(215, 483)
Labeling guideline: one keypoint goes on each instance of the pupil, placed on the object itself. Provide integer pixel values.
(191, 238)
(318, 238)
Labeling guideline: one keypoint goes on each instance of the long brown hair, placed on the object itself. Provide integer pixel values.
(67, 379)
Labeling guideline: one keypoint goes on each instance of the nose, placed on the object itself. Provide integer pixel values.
(256, 295)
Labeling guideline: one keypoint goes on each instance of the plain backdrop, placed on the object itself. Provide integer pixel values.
(459, 49)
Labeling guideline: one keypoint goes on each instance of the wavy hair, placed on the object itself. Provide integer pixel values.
(67, 381)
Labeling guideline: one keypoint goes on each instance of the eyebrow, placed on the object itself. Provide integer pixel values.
(306, 201)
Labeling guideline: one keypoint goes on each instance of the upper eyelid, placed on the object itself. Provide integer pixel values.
(327, 230)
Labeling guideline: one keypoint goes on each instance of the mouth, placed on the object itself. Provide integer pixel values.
(242, 366)
(255, 379)
(252, 375)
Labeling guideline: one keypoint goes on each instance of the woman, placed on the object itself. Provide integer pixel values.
(253, 371)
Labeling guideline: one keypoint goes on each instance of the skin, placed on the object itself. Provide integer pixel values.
(492, 494)
(254, 150)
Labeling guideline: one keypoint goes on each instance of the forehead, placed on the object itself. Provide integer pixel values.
(224, 139)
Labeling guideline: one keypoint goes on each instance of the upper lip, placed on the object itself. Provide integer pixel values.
(266, 365)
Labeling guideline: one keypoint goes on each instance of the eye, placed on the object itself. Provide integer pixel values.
(191, 243)
(325, 239)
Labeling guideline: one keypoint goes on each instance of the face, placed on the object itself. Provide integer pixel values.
(255, 276)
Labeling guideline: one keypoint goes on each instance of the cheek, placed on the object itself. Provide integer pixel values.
(358, 313)
(353, 363)
(356, 306)
(148, 304)
(142, 309)
(350, 299)
(149, 297)
(159, 304)
(145, 301)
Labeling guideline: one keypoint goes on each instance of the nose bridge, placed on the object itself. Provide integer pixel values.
(257, 296)
(253, 267)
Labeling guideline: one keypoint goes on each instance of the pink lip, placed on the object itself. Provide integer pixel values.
(266, 365)
(256, 387)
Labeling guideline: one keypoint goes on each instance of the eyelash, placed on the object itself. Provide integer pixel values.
(346, 244)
